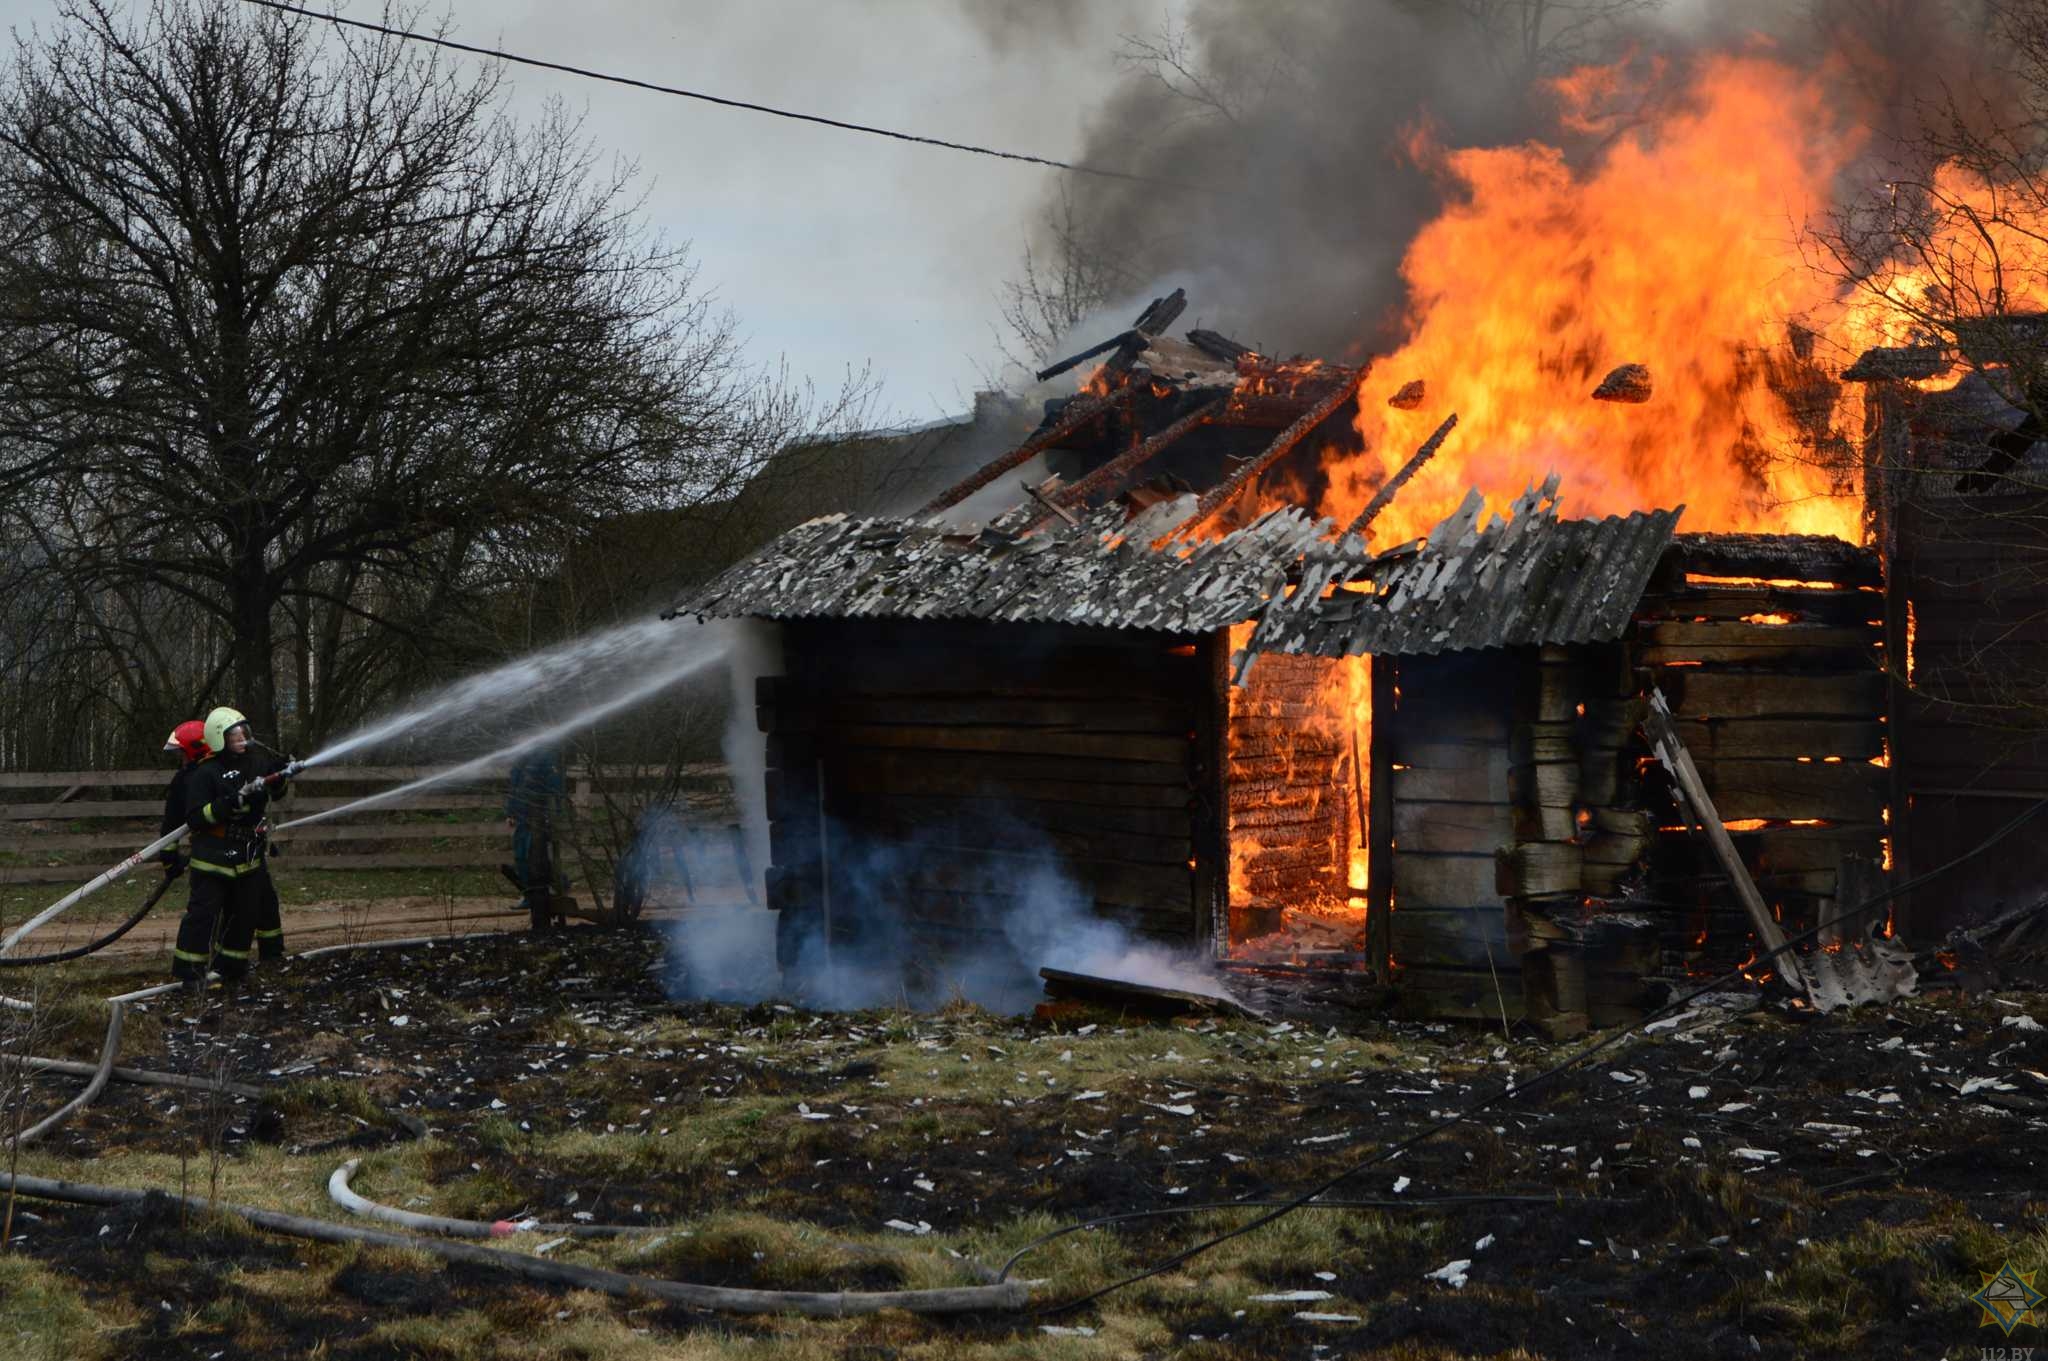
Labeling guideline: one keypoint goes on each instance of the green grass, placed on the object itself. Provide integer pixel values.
(294, 885)
(43, 1318)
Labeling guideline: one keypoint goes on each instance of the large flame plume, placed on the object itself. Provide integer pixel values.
(1677, 245)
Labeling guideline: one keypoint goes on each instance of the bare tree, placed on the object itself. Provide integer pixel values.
(300, 331)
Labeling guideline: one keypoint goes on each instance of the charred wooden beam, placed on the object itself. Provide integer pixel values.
(1044, 494)
(1143, 996)
(1663, 735)
(1225, 491)
(1392, 486)
(1078, 413)
(1625, 383)
(1410, 396)
(1217, 346)
(1162, 313)
(1897, 364)
(1132, 338)
(1114, 471)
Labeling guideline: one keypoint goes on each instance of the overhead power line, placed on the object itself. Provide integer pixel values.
(499, 54)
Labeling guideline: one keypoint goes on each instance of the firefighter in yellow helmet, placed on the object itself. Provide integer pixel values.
(225, 799)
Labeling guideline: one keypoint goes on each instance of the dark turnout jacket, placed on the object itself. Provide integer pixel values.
(175, 812)
(226, 839)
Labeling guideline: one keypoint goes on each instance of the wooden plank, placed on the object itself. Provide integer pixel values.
(1093, 714)
(874, 777)
(1722, 633)
(1538, 869)
(1848, 791)
(1173, 751)
(906, 767)
(1461, 994)
(1829, 608)
(1852, 739)
(1456, 936)
(1786, 653)
(1426, 881)
(993, 831)
(1451, 828)
(1700, 693)
(995, 874)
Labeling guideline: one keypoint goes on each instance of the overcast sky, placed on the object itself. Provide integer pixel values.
(835, 249)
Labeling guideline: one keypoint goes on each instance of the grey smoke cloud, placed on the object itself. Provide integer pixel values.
(1298, 118)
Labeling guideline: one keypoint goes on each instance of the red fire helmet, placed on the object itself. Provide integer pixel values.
(190, 738)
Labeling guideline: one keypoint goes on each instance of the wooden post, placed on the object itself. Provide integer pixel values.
(1379, 852)
(1676, 759)
(1211, 825)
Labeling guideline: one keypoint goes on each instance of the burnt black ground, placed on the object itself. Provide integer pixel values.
(1875, 1162)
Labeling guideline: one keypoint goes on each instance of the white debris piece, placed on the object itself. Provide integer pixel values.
(1170, 1110)
(1621, 1076)
(1452, 1274)
(1055, 1330)
(1293, 1297)
(807, 1113)
(1400, 1184)
(1089, 1096)
(1757, 1155)
(401, 1020)
(920, 1228)
(1696, 1093)
(1483, 1244)
(924, 1184)
(1325, 1275)
(1978, 1084)
(1328, 1318)
(1730, 1107)
(2024, 1023)
(1691, 1142)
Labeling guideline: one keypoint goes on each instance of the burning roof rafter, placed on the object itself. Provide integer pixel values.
(1088, 552)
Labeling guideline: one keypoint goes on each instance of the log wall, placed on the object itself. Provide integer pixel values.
(943, 773)
(1970, 585)
(1447, 745)
(1774, 672)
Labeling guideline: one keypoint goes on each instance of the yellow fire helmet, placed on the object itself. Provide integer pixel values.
(217, 724)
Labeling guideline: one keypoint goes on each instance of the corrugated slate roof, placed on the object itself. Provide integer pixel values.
(1529, 579)
(1099, 572)
(1532, 578)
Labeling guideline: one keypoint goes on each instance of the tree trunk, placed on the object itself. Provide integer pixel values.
(255, 685)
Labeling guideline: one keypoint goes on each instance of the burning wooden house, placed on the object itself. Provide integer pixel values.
(1122, 653)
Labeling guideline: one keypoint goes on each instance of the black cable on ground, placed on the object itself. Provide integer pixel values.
(1512, 1088)
(80, 951)
(498, 54)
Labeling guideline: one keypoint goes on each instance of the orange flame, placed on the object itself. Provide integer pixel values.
(1674, 248)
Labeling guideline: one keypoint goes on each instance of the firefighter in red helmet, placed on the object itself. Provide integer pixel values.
(188, 739)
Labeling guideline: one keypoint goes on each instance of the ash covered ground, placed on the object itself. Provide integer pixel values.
(1732, 1185)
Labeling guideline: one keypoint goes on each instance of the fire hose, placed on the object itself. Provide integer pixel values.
(119, 870)
(91, 947)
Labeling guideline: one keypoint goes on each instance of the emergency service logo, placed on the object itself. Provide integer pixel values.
(2008, 1298)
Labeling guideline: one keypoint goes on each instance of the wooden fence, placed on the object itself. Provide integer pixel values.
(68, 824)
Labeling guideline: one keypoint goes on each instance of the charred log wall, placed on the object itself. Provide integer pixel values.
(1452, 811)
(938, 771)
(1771, 653)
(1970, 585)
(1579, 838)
